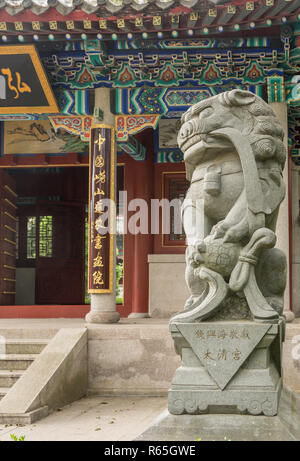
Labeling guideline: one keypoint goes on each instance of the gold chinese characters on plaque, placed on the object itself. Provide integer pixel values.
(101, 188)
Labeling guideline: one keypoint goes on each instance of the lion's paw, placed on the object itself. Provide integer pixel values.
(219, 230)
(238, 232)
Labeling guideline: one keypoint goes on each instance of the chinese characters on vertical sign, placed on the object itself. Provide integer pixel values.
(102, 187)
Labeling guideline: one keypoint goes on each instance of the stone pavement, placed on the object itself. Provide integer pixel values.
(92, 419)
(97, 418)
(217, 428)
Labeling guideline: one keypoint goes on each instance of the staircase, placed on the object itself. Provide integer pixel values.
(19, 355)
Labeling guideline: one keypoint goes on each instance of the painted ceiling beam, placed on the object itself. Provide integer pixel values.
(261, 11)
(192, 20)
(139, 23)
(278, 7)
(227, 15)
(210, 17)
(133, 148)
(244, 11)
(292, 6)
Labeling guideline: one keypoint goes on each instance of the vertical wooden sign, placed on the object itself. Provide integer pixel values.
(101, 187)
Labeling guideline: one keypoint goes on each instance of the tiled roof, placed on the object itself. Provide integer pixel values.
(142, 16)
(65, 7)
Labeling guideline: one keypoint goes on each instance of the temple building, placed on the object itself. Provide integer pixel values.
(91, 80)
(91, 98)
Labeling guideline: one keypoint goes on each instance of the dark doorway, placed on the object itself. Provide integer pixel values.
(51, 210)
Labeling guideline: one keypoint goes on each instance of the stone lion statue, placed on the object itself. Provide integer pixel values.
(234, 155)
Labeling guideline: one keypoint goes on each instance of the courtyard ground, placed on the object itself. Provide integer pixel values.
(93, 419)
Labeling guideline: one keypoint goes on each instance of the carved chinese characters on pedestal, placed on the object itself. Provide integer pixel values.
(101, 189)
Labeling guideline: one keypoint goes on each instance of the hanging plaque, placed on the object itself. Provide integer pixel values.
(24, 87)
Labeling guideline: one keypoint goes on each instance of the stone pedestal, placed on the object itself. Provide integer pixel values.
(227, 367)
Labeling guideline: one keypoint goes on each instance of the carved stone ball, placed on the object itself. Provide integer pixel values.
(219, 256)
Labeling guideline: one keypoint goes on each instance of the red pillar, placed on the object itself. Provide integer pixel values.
(143, 188)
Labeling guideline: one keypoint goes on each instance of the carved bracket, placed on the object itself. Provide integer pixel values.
(79, 126)
(132, 124)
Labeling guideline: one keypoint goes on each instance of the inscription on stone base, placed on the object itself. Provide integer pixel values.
(226, 367)
(222, 348)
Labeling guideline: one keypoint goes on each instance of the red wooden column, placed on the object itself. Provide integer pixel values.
(142, 186)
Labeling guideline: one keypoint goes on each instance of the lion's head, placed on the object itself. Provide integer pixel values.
(239, 110)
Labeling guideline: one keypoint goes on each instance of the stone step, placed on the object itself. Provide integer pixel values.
(16, 361)
(8, 378)
(26, 333)
(3, 392)
(25, 346)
